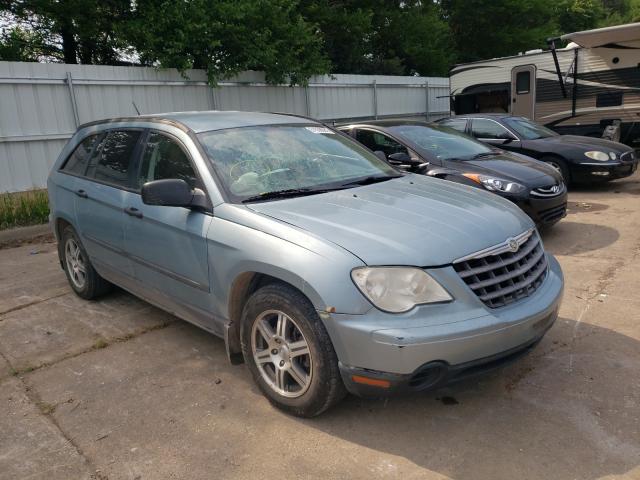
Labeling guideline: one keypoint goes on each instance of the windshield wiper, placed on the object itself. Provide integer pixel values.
(371, 179)
(484, 154)
(288, 193)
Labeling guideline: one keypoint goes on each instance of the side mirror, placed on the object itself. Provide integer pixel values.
(172, 192)
(403, 158)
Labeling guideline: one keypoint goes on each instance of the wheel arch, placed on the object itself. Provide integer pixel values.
(242, 287)
(59, 224)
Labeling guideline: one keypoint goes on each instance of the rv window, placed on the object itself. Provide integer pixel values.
(609, 99)
(523, 80)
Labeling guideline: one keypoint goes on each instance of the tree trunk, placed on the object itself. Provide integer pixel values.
(69, 44)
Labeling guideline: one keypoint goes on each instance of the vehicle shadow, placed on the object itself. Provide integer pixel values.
(567, 410)
(573, 238)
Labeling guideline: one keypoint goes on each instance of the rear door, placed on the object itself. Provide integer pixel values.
(167, 245)
(523, 94)
(99, 199)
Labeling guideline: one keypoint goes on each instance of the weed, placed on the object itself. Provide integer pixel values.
(24, 208)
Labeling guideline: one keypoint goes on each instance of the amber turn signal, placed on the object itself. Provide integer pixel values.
(374, 382)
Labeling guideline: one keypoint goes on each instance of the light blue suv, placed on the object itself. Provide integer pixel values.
(321, 266)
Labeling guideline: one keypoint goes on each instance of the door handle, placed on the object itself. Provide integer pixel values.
(81, 193)
(133, 212)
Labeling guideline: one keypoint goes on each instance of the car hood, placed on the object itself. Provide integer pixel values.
(412, 220)
(584, 143)
(532, 173)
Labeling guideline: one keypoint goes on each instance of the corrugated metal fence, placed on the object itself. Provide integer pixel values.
(42, 104)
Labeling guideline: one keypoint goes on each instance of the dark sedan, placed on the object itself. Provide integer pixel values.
(445, 153)
(579, 159)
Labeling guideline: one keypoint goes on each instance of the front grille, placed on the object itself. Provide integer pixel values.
(548, 191)
(628, 156)
(500, 279)
(553, 214)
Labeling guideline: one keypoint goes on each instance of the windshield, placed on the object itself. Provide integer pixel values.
(263, 160)
(443, 142)
(527, 129)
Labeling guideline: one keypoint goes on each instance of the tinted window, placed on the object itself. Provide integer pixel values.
(163, 158)
(528, 129)
(376, 141)
(523, 80)
(459, 125)
(77, 161)
(482, 128)
(442, 142)
(112, 159)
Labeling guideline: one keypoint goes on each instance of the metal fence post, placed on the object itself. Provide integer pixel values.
(375, 99)
(212, 97)
(72, 94)
(307, 101)
(426, 89)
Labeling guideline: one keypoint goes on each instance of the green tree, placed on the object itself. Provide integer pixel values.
(494, 28)
(394, 37)
(74, 30)
(226, 37)
(577, 15)
(20, 45)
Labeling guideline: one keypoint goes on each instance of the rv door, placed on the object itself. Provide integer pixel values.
(523, 91)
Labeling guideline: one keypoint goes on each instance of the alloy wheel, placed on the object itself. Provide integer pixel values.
(281, 353)
(76, 264)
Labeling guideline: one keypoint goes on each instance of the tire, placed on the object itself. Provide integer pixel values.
(277, 321)
(82, 277)
(559, 165)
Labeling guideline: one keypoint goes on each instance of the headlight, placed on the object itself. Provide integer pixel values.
(398, 289)
(495, 184)
(597, 155)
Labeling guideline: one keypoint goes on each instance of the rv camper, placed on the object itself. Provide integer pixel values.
(582, 88)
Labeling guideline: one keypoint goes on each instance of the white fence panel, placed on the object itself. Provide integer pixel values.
(41, 105)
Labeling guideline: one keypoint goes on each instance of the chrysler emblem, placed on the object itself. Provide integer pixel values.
(513, 245)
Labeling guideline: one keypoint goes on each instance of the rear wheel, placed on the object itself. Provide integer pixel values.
(560, 166)
(82, 277)
(289, 352)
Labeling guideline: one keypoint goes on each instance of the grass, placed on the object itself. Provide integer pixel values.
(23, 208)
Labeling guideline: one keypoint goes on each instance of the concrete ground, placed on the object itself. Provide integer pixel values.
(120, 390)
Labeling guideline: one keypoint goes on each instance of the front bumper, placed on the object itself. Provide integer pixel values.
(543, 211)
(602, 172)
(459, 337)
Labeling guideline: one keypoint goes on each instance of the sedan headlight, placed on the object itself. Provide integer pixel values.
(597, 155)
(398, 289)
(495, 184)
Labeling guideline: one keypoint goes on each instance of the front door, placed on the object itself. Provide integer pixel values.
(167, 245)
(523, 91)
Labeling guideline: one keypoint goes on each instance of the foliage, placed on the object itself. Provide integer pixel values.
(21, 209)
(382, 36)
(225, 37)
(577, 15)
(20, 45)
(81, 31)
(293, 39)
(485, 29)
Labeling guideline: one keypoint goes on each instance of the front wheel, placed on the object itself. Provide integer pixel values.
(560, 166)
(289, 352)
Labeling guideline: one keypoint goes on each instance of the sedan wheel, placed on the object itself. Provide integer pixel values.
(281, 353)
